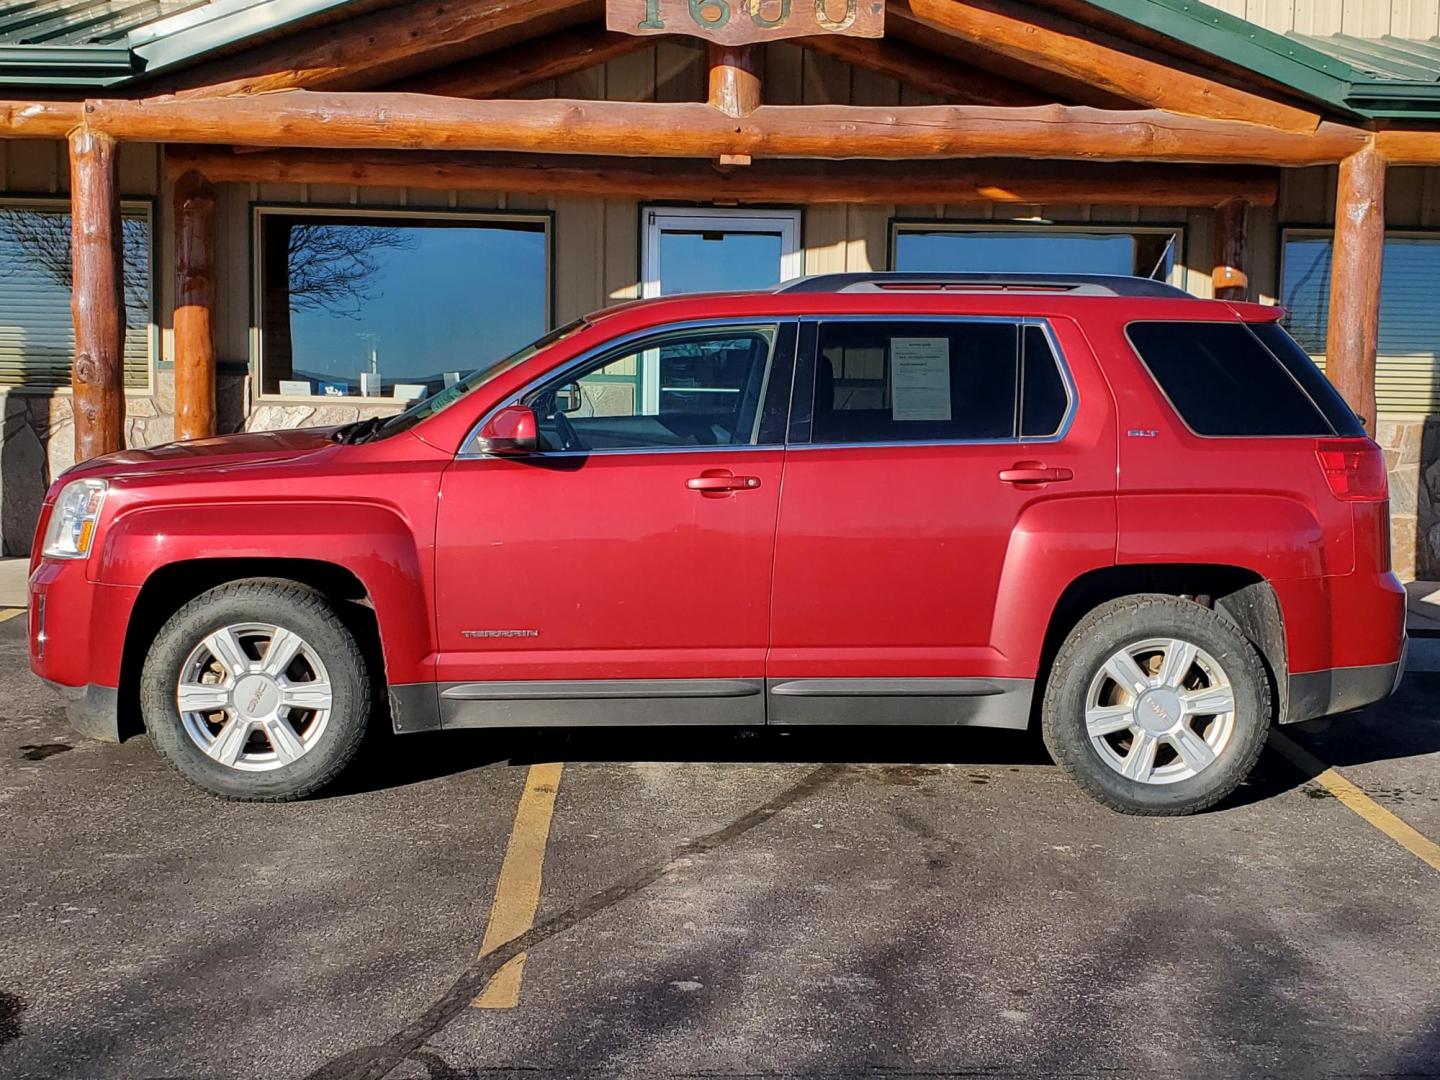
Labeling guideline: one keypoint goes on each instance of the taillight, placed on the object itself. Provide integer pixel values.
(1354, 470)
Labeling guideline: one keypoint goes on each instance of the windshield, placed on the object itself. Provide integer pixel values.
(443, 399)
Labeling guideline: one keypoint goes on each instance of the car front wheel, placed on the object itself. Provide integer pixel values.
(1156, 705)
(256, 691)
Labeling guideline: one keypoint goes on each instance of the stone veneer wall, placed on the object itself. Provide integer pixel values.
(1412, 457)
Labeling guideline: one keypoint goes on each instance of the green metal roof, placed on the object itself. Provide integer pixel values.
(1325, 69)
(60, 44)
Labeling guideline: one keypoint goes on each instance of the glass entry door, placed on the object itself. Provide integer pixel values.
(694, 249)
(704, 249)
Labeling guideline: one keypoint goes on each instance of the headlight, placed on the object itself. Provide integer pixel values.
(72, 523)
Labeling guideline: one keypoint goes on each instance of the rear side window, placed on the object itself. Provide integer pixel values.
(953, 381)
(1223, 381)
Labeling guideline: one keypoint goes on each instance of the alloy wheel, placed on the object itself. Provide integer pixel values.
(1160, 711)
(254, 696)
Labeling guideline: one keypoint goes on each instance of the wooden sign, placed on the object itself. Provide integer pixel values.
(738, 22)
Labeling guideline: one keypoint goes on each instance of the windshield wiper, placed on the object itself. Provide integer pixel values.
(359, 431)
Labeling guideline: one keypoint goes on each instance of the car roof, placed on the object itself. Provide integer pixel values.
(1087, 296)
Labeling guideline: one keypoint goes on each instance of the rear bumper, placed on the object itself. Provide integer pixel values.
(1338, 690)
(93, 711)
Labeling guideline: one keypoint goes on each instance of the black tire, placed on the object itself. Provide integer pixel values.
(281, 603)
(1112, 627)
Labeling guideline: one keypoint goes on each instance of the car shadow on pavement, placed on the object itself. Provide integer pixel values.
(395, 761)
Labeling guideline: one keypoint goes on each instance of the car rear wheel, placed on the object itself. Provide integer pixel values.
(1156, 705)
(256, 691)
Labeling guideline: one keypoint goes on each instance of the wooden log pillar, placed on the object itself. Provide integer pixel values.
(1230, 278)
(1354, 332)
(195, 241)
(734, 79)
(97, 297)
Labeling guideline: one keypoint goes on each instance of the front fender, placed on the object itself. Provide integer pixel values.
(372, 541)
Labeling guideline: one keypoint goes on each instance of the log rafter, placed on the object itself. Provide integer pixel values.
(508, 71)
(644, 129)
(1057, 44)
(995, 181)
(956, 82)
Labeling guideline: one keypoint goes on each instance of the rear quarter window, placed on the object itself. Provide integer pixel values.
(1223, 380)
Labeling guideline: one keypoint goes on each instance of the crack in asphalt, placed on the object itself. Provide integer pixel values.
(375, 1062)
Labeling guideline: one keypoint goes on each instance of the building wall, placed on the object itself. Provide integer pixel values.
(1362, 18)
(597, 253)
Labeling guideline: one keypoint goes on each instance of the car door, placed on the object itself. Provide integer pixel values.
(942, 474)
(621, 574)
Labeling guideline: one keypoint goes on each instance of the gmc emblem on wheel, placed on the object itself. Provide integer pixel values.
(499, 633)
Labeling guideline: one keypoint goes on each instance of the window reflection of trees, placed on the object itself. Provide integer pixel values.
(332, 268)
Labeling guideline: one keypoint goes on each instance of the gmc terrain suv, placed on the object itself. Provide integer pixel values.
(1144, 520)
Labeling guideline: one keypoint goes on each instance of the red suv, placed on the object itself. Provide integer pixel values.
(1145, 519)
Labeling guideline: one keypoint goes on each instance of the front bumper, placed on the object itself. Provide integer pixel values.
(93, 711)
(1338, 690)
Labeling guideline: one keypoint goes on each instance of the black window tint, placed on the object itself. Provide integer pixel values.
(915, 382)
(1223, 381)
(1297, 361)
(701, 388)
(1042, 390)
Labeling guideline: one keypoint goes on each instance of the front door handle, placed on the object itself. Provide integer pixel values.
(719, 481)
(1033, 472)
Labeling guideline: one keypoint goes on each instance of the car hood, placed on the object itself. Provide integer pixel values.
(222, 451)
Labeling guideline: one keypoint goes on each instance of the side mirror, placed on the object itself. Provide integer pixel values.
(569, 398)
(510, 431)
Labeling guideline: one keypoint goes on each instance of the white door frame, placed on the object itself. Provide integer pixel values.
(658, 219)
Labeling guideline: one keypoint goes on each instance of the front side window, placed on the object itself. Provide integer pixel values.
(688, 389)
(37, 334)
(1048, 249)
(952, 381)
(355, 303)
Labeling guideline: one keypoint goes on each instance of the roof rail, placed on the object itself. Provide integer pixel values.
(916, 281)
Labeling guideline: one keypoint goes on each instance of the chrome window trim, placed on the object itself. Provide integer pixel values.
(1175, 409)
(1072, 396)
(610, 346)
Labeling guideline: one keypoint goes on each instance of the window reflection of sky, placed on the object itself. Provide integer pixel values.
(1048, 252)
(435, 298)
(690, 263)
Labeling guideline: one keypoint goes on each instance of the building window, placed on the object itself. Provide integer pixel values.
(37, 333)
(393, 305)
(1039, 249)
(1407, 370)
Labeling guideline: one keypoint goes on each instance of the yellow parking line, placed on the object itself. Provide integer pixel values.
(517, 892)
(1422, 847)
(10, 613)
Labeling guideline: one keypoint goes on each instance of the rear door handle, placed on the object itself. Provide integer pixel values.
(1033, 472)
(719, 481)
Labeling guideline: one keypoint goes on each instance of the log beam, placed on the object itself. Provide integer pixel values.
(1230, 278)
(195, 240)
(734, 79)
(1067, 48)
(40, 119)
(97, 297)
(1013, 183)
(956, 82)
(505, 73)
(1353, 335)
(384, 46)
(643, 129)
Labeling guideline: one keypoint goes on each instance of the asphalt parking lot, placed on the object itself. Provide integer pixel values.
(717, 904)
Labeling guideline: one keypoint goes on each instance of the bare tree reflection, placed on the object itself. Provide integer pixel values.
(330, 267)
(43, 241)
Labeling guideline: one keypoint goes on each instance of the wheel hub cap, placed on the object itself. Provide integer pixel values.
(256, 697)
(1158, 711)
